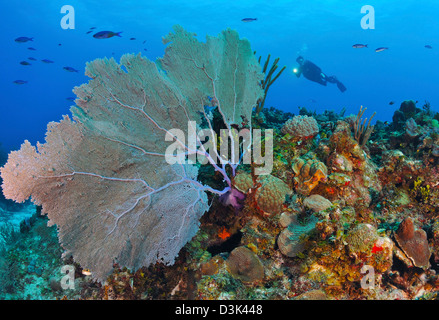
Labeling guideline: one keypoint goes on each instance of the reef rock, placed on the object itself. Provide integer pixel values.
(317, 203)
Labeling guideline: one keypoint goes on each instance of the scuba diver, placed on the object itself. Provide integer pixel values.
(314, 73)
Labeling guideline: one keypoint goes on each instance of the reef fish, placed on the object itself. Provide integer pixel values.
(25, 63)
(381, 49)
(70, 69)
(32, 59)
(23, 39)
(47, 61)
(249, 19)
(20, 81)
(428, 46)
(106, 34)
(359, 45)
(32, 49)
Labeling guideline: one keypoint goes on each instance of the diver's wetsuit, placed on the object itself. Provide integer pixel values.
(314, 73)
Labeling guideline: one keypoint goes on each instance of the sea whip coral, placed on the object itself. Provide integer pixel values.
(101, 176)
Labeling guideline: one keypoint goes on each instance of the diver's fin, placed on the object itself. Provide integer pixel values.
(341, 87)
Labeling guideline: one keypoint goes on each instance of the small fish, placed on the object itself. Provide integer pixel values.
(70, 98)
(23, 39)
(386, 123)
(249, 19)
(144, 42)
(32, 49)
(145, 49)
(32, 59)
(106, 34)
(20, 81)
(381, 49)
(92, 28)
(46, 61)
(86, 272)
(70, 69)
(59, 44)
(132, 38)
(428, 46)
(89, 32)
(25, 63)
(359, 46)
(392, 102)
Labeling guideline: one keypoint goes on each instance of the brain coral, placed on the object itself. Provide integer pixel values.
(317, 203)
(301, 127)
(270, 195)
(243, 181)
(308, 173)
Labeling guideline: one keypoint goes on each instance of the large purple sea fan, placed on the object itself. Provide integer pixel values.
(101, 176)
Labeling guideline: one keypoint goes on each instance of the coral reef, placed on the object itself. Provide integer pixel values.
(349, 211)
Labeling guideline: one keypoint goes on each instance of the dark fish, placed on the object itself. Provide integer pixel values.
(32, 59)
(145, 49)
(359, 46)
(92, 28)
(249, 19)
(20, 81)
(47, 61)
(23, 39)
(381, 49)
(70, 98)
(144, 42)
(33, 49)
(392, 102)
(89, 32)
(386, 123)
(428, 46)
(25, 63)
(70, 69)
(59, 44)
(132, 38)
(106, 34)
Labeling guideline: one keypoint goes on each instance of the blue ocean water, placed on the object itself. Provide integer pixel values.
(322, 31)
